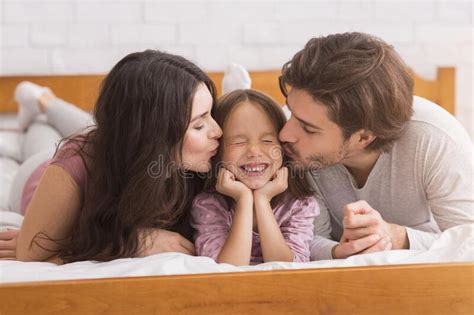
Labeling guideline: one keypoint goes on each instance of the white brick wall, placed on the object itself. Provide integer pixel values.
(86, 36)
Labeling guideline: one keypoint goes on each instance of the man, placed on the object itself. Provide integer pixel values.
(390, 171)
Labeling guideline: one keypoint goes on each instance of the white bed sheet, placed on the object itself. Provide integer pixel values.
(454, 245)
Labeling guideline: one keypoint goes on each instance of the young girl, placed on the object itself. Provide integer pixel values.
(257, 212)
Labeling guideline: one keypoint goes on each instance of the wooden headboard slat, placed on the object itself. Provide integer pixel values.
(440, 90)
(82, 89)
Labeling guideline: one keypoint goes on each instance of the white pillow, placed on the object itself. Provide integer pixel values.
(39, 137)
(236, 77)
(8, 170)
(9, 121)
(24, 172)
(10, 219)
(10, 144)
(287, 112)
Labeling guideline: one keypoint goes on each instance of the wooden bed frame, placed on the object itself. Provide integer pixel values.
(404, 289)
(392, 289)
(82, 89)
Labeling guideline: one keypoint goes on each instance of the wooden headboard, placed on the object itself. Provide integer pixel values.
(82, 89)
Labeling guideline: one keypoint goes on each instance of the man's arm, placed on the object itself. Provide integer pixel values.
(322, 244)
(448, 184)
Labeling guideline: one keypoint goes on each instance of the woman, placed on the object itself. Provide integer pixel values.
(124, 188)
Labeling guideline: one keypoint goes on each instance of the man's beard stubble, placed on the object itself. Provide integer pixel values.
(315, 163)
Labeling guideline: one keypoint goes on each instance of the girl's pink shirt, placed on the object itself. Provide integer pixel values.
(212, 220)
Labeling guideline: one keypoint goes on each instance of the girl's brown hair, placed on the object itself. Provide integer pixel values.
(298, 186)
(360, 79)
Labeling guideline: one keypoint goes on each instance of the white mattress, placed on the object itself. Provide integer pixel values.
(454, 245)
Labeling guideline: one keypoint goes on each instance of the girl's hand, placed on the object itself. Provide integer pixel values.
(229, 186)
(8, 244)
(277, 185)
(155, 241)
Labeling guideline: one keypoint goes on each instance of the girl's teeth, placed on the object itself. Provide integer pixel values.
(255, 168)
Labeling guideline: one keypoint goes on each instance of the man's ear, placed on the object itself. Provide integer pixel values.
(363, 138)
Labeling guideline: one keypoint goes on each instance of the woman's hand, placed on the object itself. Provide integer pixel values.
(229, 186)
(155, 241)
(277, 185)
(8, 240)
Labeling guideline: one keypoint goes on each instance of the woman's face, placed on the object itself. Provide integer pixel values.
(201, 138)
(251, 150)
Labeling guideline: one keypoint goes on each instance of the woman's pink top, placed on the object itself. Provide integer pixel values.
(70, 162)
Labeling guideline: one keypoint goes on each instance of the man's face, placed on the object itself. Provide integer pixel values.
(309, 137)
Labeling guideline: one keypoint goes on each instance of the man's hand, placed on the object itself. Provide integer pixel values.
(155, 241)
(369, 244)
(365, 231)
(361, 220)
(8, 240)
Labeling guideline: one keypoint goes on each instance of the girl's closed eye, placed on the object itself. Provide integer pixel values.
(268, 141)
(236, 140)
(199, 127)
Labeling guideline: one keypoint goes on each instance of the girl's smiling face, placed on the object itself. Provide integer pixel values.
(251, 150)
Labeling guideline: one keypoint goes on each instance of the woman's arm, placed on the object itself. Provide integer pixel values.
(51, 213)
(156, 241)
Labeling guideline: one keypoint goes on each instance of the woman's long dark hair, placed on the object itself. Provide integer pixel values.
(142, 113)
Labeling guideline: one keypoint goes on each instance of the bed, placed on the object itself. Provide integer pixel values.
(438, 281)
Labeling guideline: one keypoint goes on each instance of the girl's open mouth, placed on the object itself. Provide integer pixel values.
(255, 169)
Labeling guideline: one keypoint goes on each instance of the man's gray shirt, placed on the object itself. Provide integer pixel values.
(424, 182)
